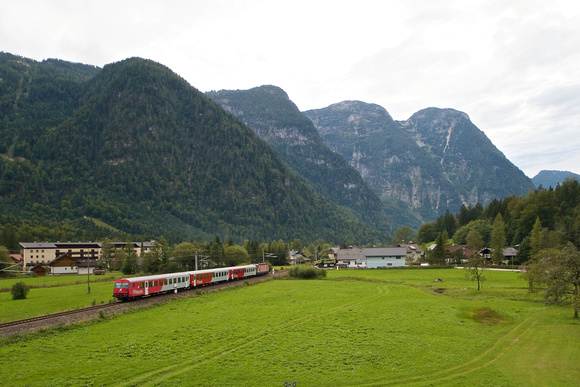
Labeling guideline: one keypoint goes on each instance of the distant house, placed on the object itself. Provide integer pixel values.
(414, 252)
(350, 258)
(16, 258)
(510, 254)
(450, 253)
(295, 257)
(38, 270)
(377, 257)
(486, 253)
(67, 264)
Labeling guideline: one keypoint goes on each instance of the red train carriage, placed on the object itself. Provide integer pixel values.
(205, 277)
(128, 288)
(242, 271)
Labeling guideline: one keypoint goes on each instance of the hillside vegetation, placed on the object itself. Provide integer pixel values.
(136, 147)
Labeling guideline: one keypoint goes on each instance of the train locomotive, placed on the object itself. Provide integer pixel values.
(137, 287)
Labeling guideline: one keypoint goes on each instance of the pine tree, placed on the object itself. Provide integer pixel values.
(536, 238)
(437, 256)
(498, 240)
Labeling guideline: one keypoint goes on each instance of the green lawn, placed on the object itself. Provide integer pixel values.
(382, 327)
(56, 280)
(53, 294)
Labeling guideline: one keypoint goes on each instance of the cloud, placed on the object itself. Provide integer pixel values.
(512, 66)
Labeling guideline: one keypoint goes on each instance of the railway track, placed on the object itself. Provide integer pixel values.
(55, 315)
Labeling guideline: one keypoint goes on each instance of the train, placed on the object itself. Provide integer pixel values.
(137, 287)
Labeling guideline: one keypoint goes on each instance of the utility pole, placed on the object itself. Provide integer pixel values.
(88, 277)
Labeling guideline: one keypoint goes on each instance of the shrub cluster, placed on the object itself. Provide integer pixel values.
(19, 291)
(307, 272)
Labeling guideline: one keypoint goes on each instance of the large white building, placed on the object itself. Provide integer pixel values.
(371, 257)
(385, 257)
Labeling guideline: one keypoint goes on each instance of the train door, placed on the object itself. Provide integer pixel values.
(146, 288)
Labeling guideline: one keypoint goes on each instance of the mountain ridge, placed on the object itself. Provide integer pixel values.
(552, 178)
(149, 154)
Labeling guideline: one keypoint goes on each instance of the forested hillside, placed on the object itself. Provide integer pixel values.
(544, 218)
(277, 120)
(136, 147)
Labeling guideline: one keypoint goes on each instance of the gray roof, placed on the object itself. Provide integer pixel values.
(37, 245)
(510, 252)
(385, 252)
(349, 254)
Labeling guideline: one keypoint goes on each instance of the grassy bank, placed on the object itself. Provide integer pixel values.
(363, 327)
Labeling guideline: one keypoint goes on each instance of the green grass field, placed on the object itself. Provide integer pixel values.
(367, 328)
(53, 294)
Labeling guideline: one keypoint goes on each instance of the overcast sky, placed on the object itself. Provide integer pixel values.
(512, 66)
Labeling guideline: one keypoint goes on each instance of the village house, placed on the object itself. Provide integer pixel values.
(67, 264)
(350, 258)
(451, 251)
(414, 252)
(371, 257)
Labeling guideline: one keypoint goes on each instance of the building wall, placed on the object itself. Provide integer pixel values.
(376, 262)
(43, 253)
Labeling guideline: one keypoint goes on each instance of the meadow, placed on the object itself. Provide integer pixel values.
(366, 327)
(53, 294)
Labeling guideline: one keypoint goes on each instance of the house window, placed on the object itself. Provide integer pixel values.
(389, 264)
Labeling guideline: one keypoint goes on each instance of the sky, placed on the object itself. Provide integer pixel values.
(512, 66)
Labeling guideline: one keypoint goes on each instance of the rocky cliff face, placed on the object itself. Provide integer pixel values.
(276, 119)
(433, 162)
(478, 170)
(388, 158)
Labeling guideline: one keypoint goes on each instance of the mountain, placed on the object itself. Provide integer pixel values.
(433, 162)
(137, 148)
(478, 170)
(552, 179)
(412, 187)
(277, 120)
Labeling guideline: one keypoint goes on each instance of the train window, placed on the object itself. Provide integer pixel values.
(141, 285)
(165, 281)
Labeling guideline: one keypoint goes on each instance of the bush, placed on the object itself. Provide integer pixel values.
(19, 291)
(307, 272)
